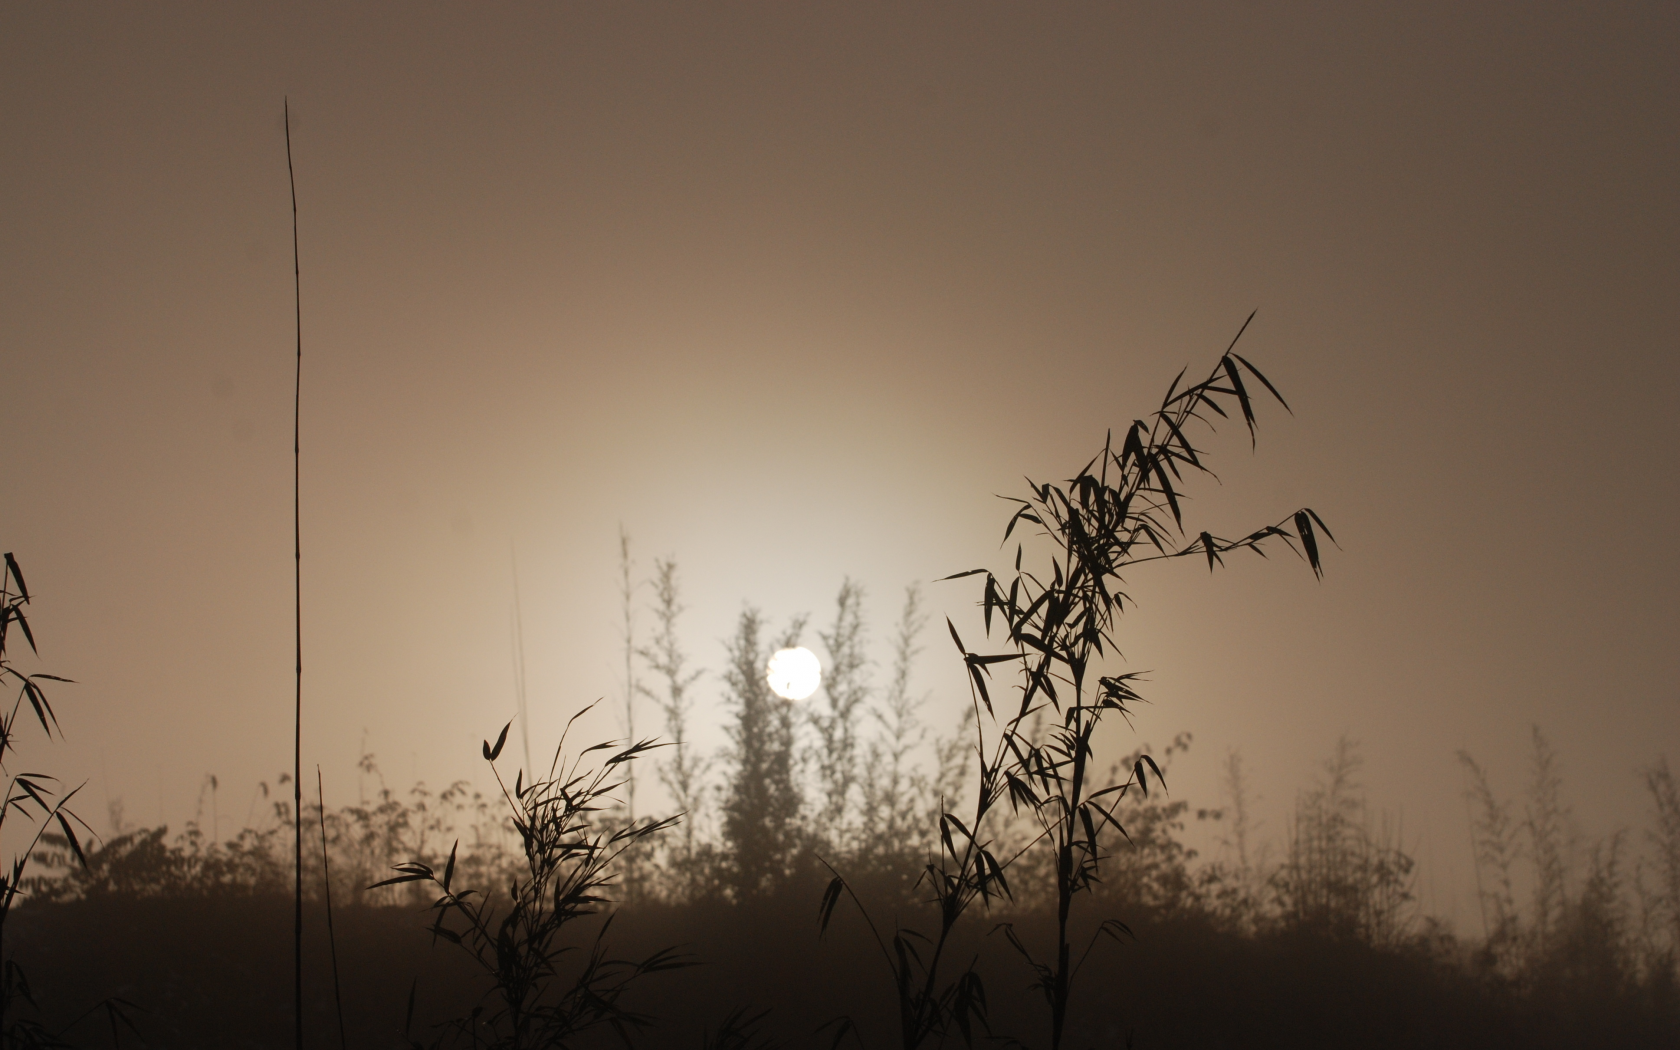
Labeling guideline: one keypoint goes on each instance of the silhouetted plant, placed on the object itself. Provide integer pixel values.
(36, 799)
(1123, 509)
(931, 1003)
(762, 836)
(1493, 833)
(1664, 837)
(633, 861)
(1608, 942)
(845, 687)
(892, 806)
(570, 865)
(1544, 822)
(684, 773)
(1341, 877)
(1237, 885)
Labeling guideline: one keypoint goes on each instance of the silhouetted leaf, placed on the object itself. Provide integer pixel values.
(70, 834)
(1242, 394)
(1158, 774)
(830, 897)
(955, 637)
(28, 635)
(17, 574)
(1323, 527)
(1303, 528)
(1255, 372)
(1212, 554)
(490, 753)
(38, 701)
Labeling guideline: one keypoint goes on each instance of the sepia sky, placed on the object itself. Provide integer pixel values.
(793, 292)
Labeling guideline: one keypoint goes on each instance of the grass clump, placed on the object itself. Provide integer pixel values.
(518, 944)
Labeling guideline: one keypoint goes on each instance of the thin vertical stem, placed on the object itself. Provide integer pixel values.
(627, 592)
(632, 868)
(519, 665)
(297, 610)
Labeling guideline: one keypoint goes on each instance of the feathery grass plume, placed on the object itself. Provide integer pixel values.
(890, 804)
(1547, 841)
(570, 863)
(684, 773)
(762, 837)
(846, 689)
(1493, 838)
(1242, 897)
(1665, 839)
(1342, 878)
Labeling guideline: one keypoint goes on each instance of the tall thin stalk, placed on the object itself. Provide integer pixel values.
(297, 609)
(633, 867)
(519, 662)
(684, 776)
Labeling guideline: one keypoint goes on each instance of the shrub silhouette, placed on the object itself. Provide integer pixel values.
(1121, 510)
(569, 866)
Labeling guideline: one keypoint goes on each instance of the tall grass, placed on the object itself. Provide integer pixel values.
(1222, 947)
(297, 596)
(1058, 621)
(38, 801)
(569, 866)
(684, 773)
(1588, 925)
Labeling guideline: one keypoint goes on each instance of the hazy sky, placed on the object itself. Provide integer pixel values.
(792, 292)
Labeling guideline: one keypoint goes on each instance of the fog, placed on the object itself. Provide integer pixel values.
(791, 295)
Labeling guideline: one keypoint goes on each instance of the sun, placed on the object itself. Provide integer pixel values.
(794, 674)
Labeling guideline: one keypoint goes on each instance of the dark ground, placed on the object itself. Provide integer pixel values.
(217, 973)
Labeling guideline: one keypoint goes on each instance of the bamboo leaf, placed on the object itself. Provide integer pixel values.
(17, 574)
(1255, 372)
(491, 753)
(1242, 394)
(830, 898)
(1212, 554)
(1303, 527)
(70, 834)
(1320, 521)
(1158, 774)
(23, 622)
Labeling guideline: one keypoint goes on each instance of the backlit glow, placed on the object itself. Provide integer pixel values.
(794, 674)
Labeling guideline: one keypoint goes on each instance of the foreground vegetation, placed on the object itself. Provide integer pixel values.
(821, 881)
(1300, 942)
